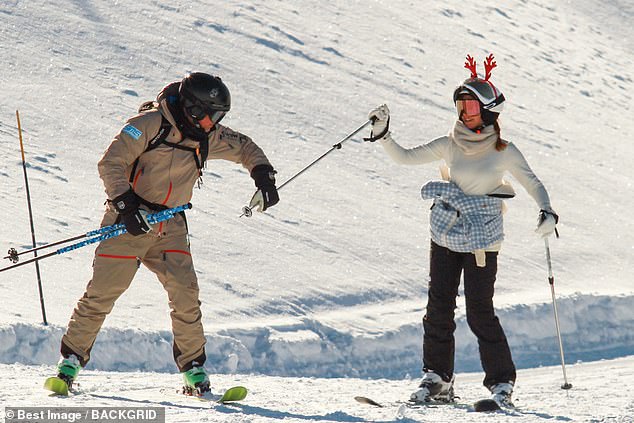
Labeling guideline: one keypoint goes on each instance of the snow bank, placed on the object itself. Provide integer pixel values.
(592, 327)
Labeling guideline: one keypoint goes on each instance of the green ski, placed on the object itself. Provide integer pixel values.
(57, 385)
(233, 394)
(237, 393)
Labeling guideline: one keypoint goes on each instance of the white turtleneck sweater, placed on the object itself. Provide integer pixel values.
(474, 163)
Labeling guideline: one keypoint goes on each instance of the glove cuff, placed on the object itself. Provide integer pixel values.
(383, 133)
(263, 175)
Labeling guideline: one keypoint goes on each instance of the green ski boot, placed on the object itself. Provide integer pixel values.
(68, 369)
(196, 381)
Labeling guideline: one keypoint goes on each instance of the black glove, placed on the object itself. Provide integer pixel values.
(135, 220)
(266, 196)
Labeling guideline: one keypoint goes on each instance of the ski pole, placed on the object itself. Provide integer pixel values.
(28, 201)
(248, 212)
(13, 254)
(551, 281)
(116, 230)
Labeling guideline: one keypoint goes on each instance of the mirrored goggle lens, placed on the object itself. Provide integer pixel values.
(217, 116)
(468, 107)
(199, 113)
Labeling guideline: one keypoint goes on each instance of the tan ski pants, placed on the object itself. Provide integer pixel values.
(114, 267)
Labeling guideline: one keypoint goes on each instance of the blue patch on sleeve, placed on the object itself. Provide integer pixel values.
(132, 131)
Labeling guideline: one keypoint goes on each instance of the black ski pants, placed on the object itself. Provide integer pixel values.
(446, 267)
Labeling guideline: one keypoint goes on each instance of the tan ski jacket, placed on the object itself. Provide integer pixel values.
(166, 175)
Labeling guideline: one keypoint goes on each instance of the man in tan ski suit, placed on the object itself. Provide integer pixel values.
(153, 164)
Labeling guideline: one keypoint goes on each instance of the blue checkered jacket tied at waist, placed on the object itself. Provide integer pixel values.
(460, 222)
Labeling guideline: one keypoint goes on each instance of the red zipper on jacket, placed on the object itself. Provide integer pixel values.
(169, 192)
(136, 178)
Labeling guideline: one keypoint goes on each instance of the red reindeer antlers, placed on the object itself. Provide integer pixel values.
(471, 65)
(489, 64)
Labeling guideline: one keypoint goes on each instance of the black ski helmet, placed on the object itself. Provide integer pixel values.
(202, 94)
(491, 98)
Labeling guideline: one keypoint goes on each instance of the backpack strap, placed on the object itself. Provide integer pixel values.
(192, 150)
(158, 139)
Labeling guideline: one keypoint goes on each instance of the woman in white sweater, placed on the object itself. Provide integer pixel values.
(466, 229)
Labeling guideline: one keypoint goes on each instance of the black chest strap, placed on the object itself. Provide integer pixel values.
(160, 138)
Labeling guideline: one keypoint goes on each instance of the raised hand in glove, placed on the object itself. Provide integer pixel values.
(380, 118)
(546, 223)
(135, 220)
(266, 196)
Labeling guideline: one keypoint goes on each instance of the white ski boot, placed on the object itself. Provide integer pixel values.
(433, 389)
(501, 394)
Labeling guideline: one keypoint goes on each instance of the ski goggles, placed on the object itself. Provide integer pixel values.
(199, 113)
(469, 107)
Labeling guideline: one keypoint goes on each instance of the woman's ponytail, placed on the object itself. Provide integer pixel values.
(500, 145)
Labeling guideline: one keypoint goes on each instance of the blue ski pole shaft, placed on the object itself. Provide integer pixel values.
(93, 240)
(13, 254)
(106, 232)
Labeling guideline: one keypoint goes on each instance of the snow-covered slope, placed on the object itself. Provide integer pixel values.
(595, 396)
(368, 344)
(332, 281)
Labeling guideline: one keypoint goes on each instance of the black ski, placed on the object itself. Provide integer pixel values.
(486, 405)
(483, 405)
(369, 401)
(409, 404)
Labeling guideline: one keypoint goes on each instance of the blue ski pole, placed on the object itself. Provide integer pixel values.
(104, 233)
(14, 254)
